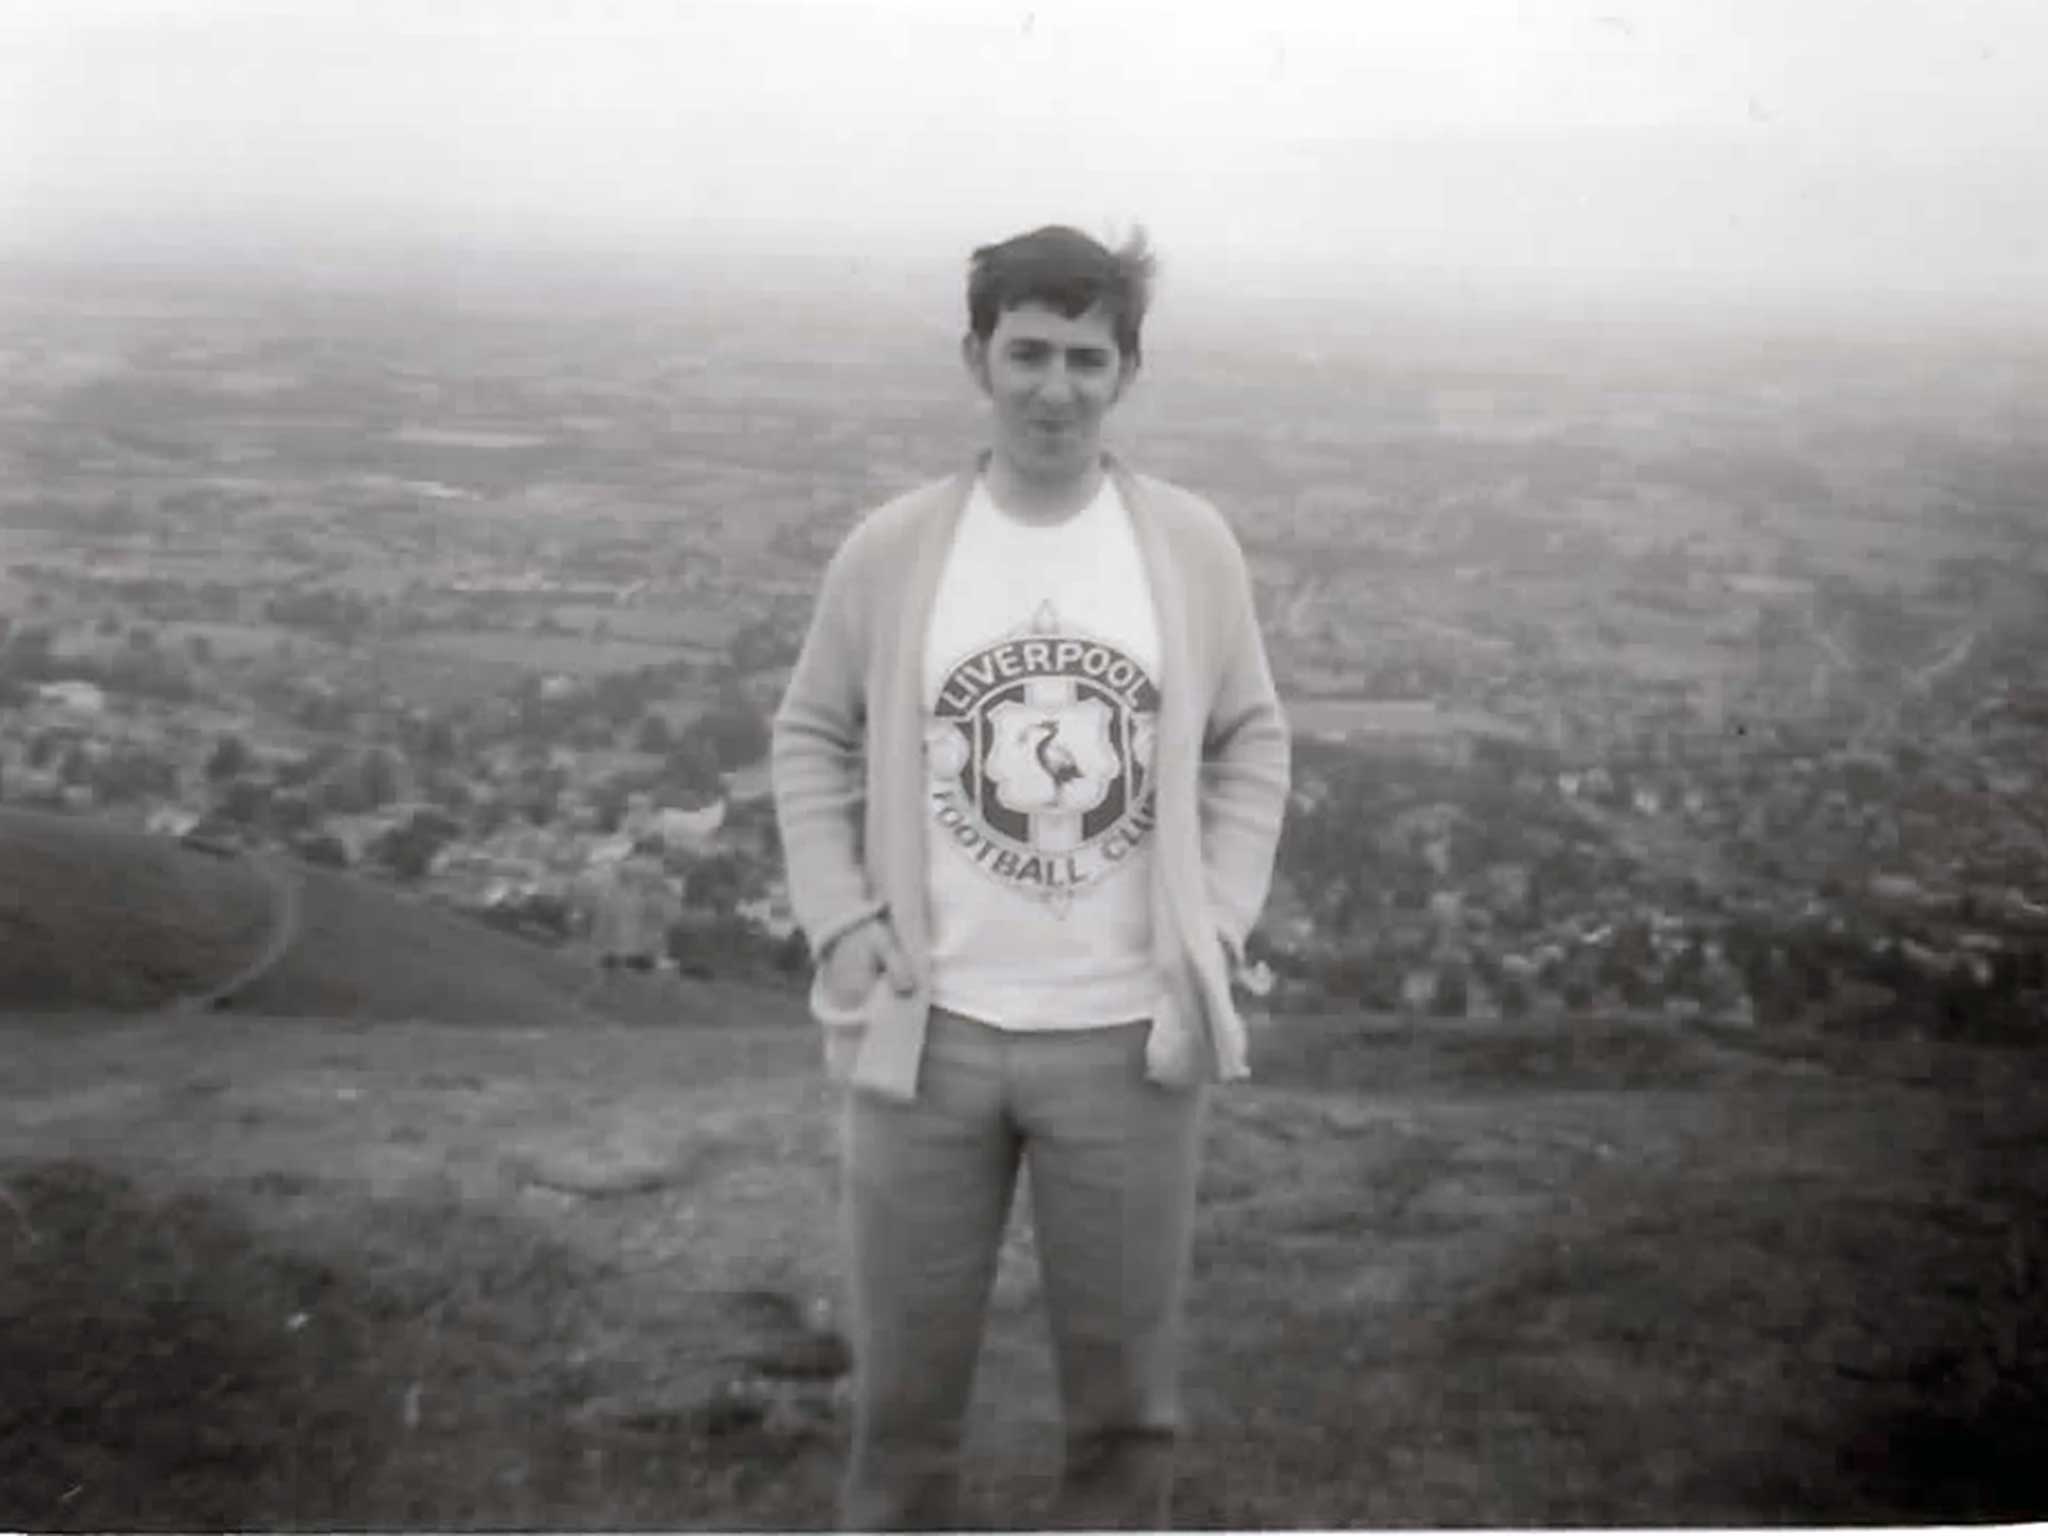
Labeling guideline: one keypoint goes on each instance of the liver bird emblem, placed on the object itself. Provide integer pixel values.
(1055, 759)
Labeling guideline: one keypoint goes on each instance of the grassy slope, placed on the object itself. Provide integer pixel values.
(1481, 1277)
(93, 917)
(366, 951)
(96, 917)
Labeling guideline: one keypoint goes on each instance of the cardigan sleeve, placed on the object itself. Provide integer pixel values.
(1246, 755)
(817, 763)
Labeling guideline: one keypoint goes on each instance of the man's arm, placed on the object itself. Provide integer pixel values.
(817, 763)
(1246, 753)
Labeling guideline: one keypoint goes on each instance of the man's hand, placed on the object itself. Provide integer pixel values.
(858, 956)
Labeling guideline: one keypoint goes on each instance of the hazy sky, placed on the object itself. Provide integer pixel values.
(1881, 145)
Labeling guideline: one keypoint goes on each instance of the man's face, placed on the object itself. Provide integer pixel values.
(1052, 380)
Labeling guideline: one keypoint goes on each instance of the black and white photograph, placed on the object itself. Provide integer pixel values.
(1023, 764)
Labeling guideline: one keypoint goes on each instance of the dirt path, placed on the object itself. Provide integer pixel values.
(583, 1278)
(282, 882)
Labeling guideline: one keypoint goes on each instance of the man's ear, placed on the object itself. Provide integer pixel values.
(974, 354)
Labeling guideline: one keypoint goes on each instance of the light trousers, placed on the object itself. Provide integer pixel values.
(927, 1187)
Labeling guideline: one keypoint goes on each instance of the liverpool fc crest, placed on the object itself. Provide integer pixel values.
(1039, 759)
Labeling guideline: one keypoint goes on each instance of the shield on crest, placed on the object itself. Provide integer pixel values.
(1053, 757)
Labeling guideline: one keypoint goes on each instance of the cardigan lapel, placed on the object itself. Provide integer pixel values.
(894, 1044)
(1186, 948)
(1176, 866)
(1179, 729)
(905, 706)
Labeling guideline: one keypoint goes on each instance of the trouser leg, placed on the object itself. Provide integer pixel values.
(1114, 1160)
(927, 1192)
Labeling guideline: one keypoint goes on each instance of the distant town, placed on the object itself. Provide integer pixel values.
(1705, 680)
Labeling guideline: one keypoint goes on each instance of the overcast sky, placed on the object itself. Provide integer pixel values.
(1875, 145)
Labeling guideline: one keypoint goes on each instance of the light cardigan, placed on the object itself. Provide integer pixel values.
(849, 776)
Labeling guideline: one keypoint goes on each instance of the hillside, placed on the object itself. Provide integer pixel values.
(365, 951)
(498, 1261)
(97, 919)
(94, 917)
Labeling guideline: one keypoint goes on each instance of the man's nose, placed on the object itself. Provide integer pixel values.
(1058, 382)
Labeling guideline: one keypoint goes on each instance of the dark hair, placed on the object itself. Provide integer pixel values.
(1062, 268)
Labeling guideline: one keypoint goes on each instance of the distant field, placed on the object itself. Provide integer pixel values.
(1753, 584)
(1367, 718)
(1903, 548)
(466, 437)
(178, 565)
(230, 642)
(443, 677)
(572, 654)
(684, 629)
(1671, 660)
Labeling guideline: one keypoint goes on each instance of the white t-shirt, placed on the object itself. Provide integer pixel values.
(1041, 689)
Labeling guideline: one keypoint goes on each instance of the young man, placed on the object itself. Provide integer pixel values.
(1030, 772)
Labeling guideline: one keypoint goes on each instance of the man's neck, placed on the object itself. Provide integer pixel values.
(1040, 502)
